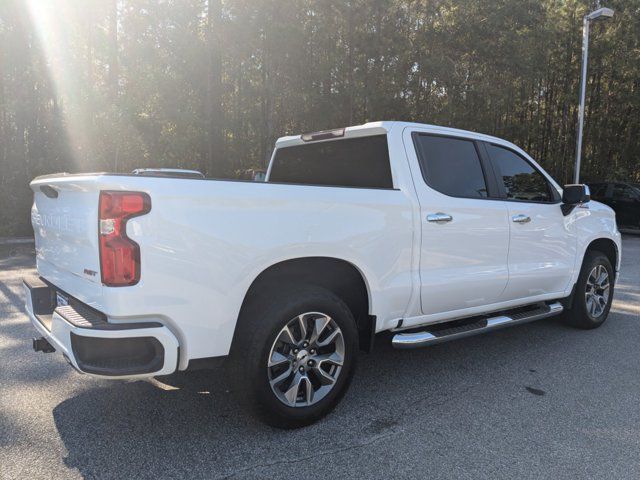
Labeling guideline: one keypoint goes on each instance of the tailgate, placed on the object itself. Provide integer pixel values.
(65, 223)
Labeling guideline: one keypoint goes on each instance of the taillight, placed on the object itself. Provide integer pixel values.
(119, 255)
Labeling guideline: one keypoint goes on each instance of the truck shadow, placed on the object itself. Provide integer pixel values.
(189, 425)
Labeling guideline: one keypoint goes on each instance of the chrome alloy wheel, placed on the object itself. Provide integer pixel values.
(597, 291)
(306, 359)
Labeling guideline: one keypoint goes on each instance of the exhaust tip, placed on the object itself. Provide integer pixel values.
(42, 345)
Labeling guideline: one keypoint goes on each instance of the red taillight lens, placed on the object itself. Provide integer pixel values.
(119, 255)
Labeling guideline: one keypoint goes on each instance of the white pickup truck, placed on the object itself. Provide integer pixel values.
(428, 232)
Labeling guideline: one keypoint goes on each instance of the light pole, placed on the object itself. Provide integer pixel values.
(601, 13)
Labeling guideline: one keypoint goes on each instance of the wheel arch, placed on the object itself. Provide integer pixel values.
(606, 246)
(602, 243)
(611, 249)
(339, 276)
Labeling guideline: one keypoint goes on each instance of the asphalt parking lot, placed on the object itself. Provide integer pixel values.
(537, 401)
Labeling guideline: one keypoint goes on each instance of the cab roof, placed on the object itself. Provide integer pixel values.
(380, 128)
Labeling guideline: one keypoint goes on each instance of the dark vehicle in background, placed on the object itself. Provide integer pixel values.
(623, 197)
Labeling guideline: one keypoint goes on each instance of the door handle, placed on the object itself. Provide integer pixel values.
(521, 218)
(439, 217)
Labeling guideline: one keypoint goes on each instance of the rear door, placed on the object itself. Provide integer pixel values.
(542, 246)
(465, 234)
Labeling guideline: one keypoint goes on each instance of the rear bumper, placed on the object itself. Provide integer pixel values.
(95, 346)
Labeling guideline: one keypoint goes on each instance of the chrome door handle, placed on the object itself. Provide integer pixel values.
(439, 217)
(521, 218)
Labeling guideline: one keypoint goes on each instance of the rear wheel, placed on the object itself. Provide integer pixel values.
(294, 355)
(594, 292)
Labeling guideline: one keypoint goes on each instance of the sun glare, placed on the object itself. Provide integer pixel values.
(55, 24)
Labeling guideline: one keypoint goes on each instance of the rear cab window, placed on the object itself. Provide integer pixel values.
(361, 162)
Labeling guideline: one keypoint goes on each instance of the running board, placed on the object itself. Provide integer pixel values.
(445, 332)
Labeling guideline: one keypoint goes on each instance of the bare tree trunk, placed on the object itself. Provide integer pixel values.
(113, 75)
(4, 137)
(113, 48)
(266, 104)
(267, 94)
(86, 138)
(216, 162)
(350, 60)
(24, 86)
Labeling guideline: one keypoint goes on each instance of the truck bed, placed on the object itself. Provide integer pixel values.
(204, 241)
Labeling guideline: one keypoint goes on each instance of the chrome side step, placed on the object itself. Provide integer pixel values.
(441, 333)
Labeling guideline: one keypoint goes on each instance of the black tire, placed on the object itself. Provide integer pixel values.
(261, 322)
(579, 315)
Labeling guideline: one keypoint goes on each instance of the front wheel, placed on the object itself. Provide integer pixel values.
(295, 355)
(594, 292)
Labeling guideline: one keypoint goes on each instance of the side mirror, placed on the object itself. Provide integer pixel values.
(573, 195)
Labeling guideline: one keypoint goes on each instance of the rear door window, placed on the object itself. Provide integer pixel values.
(351, 162)
(451, 165)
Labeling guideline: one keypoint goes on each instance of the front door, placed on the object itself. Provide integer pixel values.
(542, 246)
(465, 235)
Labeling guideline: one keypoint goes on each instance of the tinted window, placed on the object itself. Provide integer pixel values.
(598, 190)
(521, 181)
(353, 162)
(451, 166)
(624, 192)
